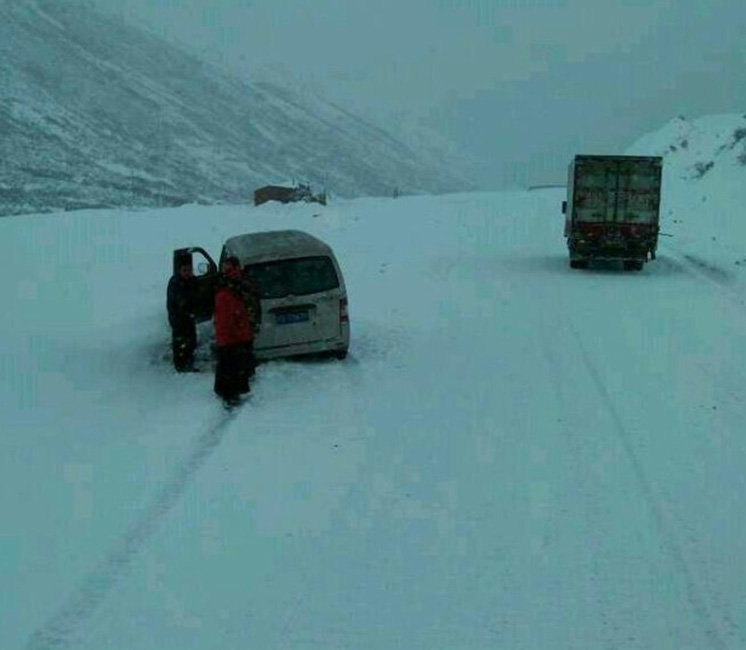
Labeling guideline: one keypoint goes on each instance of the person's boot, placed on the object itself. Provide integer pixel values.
(230, 403)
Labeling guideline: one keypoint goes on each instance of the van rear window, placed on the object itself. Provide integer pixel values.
(298, 277)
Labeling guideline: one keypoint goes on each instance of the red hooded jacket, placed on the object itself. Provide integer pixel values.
(232, 323)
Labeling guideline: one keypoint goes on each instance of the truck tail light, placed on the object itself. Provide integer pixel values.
(344, 316)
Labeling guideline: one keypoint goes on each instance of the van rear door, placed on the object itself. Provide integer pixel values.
(300, 300)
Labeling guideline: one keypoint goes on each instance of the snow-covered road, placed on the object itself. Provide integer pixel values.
(515, 455)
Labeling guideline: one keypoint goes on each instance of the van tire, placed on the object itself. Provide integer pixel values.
(340, 354)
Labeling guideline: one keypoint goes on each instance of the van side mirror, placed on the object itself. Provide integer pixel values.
(564, 207)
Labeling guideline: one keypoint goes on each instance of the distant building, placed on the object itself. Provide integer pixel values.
(287, 194)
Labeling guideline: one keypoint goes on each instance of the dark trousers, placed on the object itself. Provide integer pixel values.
(183, 344)
(251, 367)
(233, 370)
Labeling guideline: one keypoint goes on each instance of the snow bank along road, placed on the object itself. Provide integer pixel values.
(516, 455)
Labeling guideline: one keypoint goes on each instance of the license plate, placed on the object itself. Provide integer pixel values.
(286, 317)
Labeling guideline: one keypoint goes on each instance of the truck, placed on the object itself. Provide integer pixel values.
(612, 211)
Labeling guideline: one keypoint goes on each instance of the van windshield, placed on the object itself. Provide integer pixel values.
(298, 277)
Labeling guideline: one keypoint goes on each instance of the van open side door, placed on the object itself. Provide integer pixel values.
(205, 277)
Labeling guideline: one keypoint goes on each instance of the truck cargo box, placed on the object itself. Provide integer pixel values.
(613, 209)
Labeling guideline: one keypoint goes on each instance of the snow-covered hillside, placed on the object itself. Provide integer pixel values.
(97, 114)
(705, 168)
(515, 454)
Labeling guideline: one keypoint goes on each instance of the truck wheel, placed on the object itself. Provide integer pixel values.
(578, 264)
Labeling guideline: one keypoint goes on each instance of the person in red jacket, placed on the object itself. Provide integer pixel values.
(234, 334)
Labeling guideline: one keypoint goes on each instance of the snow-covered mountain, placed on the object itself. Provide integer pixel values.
(97, 114)
(704, 183)
(695, 147)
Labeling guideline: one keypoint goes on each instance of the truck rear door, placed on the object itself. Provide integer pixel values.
(595, 191)
(638, 192)
(617, 190)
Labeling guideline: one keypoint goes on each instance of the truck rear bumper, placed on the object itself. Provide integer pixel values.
(585, 250)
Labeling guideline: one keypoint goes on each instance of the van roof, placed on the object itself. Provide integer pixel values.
(274, 244)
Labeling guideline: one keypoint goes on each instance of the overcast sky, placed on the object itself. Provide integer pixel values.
(523, 84)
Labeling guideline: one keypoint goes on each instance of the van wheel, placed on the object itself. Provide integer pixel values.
(340, 354)
(578, 264)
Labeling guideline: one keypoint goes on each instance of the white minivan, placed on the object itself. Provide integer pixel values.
(301, 290)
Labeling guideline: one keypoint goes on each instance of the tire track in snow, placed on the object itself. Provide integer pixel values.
(695, 595)
(724, 281)
(58, 631)
(723, 607)
(595, 528)
(728, 286)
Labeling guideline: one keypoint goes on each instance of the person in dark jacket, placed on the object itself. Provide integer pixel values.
(234, 334)
(180, 304)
